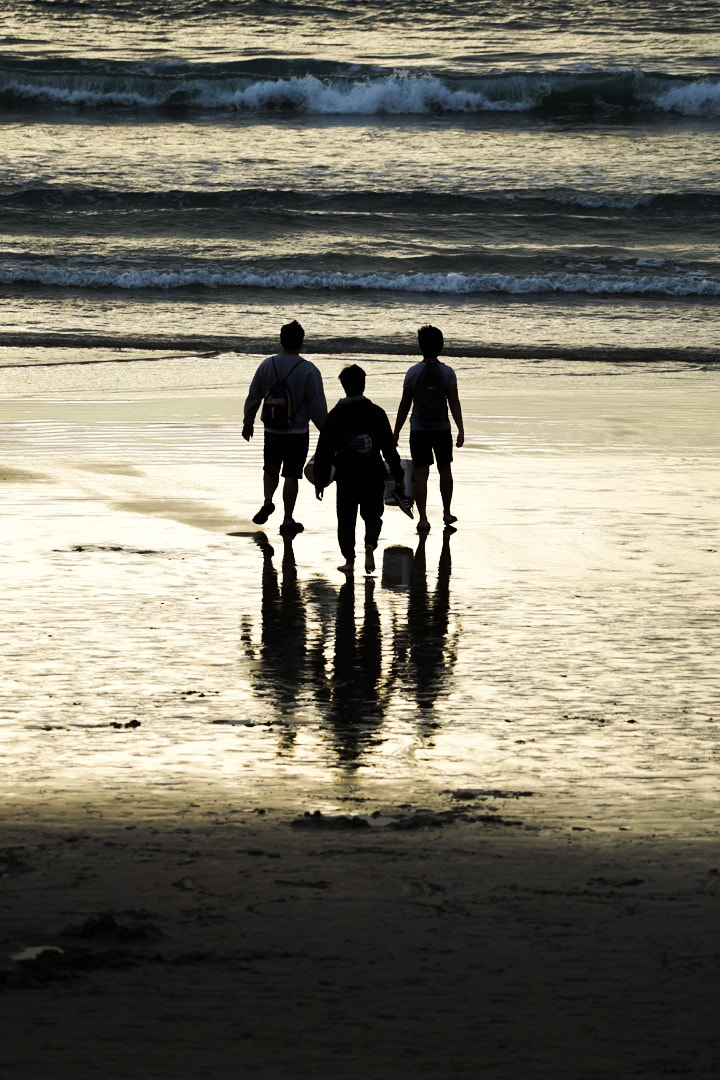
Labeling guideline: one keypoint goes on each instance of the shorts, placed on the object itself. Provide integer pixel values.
(424, 443)
(287, 452)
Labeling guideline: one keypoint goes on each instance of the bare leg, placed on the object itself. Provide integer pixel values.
(290, 494)
(420, 483)
(270, 484)
(446, 492)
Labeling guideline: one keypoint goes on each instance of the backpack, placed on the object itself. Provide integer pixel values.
(429, 394)
(278, 408)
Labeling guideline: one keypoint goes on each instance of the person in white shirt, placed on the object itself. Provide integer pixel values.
(300, 399)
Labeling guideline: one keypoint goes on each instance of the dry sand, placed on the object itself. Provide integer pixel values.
(510, 870)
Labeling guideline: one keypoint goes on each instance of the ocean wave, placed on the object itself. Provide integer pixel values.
(149, 279)
(50, 197)
(351, 91)
(701, 98)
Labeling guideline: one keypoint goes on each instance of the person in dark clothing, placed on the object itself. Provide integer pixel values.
(430, 389)
(354, 439)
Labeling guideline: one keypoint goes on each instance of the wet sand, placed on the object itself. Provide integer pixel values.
(491, 851)
(244, 944)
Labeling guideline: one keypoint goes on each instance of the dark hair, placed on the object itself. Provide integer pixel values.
(292, 335)
(430, 340)
(353, 380)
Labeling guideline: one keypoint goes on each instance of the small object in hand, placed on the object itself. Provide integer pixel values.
(402, 500)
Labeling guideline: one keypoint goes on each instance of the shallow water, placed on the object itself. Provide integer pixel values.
(559, 649)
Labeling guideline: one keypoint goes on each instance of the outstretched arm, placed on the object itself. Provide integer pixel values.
(456, 411)
(403, 410)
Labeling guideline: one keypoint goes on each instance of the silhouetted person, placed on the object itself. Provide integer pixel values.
(356, 439)
(430, 387)
(287, 434)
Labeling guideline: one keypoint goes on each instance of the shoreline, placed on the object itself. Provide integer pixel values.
(214, 344)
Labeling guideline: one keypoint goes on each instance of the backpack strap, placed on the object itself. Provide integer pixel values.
(300, 361)
(428, 362)
(286, 380)
(277, 377)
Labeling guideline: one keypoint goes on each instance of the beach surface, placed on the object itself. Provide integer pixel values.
(456, 820)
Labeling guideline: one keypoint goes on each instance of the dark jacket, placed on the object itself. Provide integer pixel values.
(355, 438)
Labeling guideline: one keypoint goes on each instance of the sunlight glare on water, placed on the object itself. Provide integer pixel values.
(557, 649)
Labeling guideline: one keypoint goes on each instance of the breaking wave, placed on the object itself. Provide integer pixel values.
(350, 91)
(143, 279)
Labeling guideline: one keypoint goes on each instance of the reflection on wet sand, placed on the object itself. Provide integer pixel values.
(431, 655)
(282, 669)
(358, 694)
(424, 652)
(324, 648)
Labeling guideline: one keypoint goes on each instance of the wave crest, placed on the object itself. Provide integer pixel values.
(148, 279)
(360, 93)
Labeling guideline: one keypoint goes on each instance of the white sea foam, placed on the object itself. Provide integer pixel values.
(142, 279)
(694, 99)
(399, 94)
(78, 93)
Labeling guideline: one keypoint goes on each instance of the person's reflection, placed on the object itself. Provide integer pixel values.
(430, 652)
(283, 639)
(322, 601)
(357, 696)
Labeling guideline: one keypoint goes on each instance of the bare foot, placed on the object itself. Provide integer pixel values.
(449, 519)
(347, 568)
(423, 525)
(369, 560)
